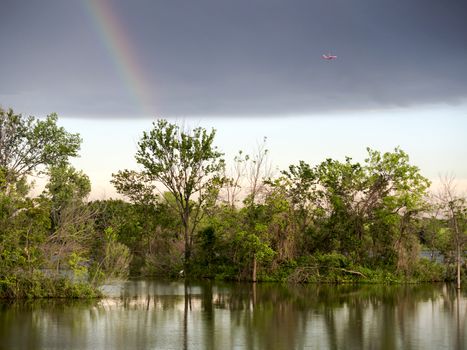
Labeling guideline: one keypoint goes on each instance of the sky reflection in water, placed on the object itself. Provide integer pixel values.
(162, 315)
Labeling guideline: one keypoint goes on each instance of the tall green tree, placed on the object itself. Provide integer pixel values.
(29, 145)
(186, 163)
(343, 189)
(34, 234)
(395, 196)
(298, 186)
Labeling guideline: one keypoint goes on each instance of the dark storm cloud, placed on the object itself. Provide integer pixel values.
(254, 57)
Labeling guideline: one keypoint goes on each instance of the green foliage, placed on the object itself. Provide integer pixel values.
(44, 241)
(207, 252)
(149, 230)
(28, 145)
(66, 190)
(23, 228)
(77, 264)
(337, 268)
(429, 271)
(112, 258)
(335, 222)
(186, 163)
(117, 256)
(38, 285)
(325, 223)
(369, 209)
(66, 184)
(249, 245)
(168, 153)
(136, 186)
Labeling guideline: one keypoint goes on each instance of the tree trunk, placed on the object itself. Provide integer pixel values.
(186, 234)
(458, 247)
(458, 265)
(253, 278)
(187, 247)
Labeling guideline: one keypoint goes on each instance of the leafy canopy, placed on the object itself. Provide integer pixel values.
(183, 162)
(29, 145)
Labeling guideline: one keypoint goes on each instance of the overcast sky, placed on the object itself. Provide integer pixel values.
(216, 57)
(213, 60)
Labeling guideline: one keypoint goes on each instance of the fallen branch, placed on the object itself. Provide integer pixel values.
(353, 272)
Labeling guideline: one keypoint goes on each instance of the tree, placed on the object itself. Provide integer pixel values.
(455, 210)
(299, 187)
(258, 171)
(24, 224)
(364, 211)
(72, 220)
(66, 188)
(186, 164)
(233, 179)
(341, 189)
(29, 145)
(38, 233)
(395, 197)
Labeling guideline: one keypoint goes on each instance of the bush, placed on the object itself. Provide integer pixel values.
(429, 271)
(37, 285)
(337, 268)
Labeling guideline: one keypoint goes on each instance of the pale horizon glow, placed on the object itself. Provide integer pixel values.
(433, 137)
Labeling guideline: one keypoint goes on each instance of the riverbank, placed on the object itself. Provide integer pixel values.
(37, 285)
(331, 268)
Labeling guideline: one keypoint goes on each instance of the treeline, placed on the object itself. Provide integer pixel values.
(188, 214)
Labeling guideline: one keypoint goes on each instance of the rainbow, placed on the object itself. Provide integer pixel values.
(113, 35)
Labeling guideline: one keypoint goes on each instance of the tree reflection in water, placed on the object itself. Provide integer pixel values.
(160, 315)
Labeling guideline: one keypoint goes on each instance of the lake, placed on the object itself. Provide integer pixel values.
(149, 314)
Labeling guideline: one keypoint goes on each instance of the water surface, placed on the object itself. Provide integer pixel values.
(164, 315)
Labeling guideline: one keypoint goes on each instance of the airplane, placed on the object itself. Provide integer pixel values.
(329, 57)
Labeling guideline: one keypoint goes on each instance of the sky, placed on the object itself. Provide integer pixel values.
(249, 69)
